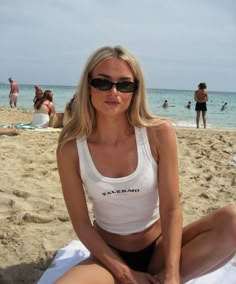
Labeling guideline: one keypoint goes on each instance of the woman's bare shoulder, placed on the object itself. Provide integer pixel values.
(69, 149)
(161, 128)
(162, 134)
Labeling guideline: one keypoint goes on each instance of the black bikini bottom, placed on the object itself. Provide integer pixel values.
(201, 107)
(138, 260)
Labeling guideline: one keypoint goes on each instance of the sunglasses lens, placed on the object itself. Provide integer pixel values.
(126, 87)
(105, 85)
(101, 84)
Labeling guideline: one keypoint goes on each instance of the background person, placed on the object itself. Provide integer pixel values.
(165, 104)
(69, 109)
(188, 106)
(38, 94)
(14, 93)
(126, 160)
(201, 97)
(8, 131)
(224, 106)
(43, 109)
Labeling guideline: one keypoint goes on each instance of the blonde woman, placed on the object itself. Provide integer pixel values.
(125, 158)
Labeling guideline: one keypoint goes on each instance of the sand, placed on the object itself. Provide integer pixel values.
(33, 217)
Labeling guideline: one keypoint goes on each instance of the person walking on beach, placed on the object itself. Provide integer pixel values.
(201, 97)
(14, 93)
(125, 159)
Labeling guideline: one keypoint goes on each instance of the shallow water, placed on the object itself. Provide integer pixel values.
(177, 100)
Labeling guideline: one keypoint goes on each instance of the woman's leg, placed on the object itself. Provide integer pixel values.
(204, 118)
(197, 118)
(207, 244)
(87, 272)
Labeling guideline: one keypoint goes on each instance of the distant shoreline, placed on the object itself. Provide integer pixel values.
(29, 112)
(147, 88)
(182, 116)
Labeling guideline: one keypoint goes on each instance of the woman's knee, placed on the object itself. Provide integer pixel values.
(226, 218)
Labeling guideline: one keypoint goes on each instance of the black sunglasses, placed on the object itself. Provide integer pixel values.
(105, 85)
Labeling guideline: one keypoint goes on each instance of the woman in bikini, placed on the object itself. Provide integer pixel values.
(201, 98)
(43, 109)
(125, 159)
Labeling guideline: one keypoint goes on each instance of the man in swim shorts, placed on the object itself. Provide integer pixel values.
(14, 93)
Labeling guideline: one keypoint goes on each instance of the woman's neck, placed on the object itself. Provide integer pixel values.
(112, 130)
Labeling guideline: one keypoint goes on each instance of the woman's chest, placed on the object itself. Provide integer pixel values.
(115, 161)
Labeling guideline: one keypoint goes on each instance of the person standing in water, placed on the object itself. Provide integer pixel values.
(165, 104)
(188, 106)
(224, 106)
(201, 97)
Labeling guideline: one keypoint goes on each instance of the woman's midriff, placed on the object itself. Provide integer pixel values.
(131, 242)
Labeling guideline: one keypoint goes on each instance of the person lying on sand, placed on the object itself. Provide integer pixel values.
(8, 131)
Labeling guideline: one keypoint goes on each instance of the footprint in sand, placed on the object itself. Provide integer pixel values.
(39, 219)
(22, 194)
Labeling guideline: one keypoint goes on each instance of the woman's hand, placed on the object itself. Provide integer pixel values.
(137, 277)
(161, 279)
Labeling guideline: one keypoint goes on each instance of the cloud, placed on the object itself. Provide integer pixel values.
(49, 41)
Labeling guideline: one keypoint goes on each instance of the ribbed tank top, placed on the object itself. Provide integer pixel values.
(123, 205)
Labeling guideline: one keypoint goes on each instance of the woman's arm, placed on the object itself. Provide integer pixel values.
(52, 108)
(170, 210)
(68, 166)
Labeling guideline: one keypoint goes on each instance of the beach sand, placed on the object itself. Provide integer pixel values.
(33, 217)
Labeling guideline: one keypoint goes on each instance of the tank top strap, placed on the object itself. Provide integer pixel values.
(142, 139)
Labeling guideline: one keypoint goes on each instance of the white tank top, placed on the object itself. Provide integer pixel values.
(123, 205)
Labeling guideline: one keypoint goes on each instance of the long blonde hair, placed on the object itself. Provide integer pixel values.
(84, 115)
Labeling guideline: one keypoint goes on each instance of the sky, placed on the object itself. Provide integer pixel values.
(178, 43)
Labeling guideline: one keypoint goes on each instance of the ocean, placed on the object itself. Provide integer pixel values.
(177, 99)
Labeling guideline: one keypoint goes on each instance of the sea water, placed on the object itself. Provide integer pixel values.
(177, 99)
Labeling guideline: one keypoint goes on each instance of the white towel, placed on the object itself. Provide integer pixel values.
(75, 252)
